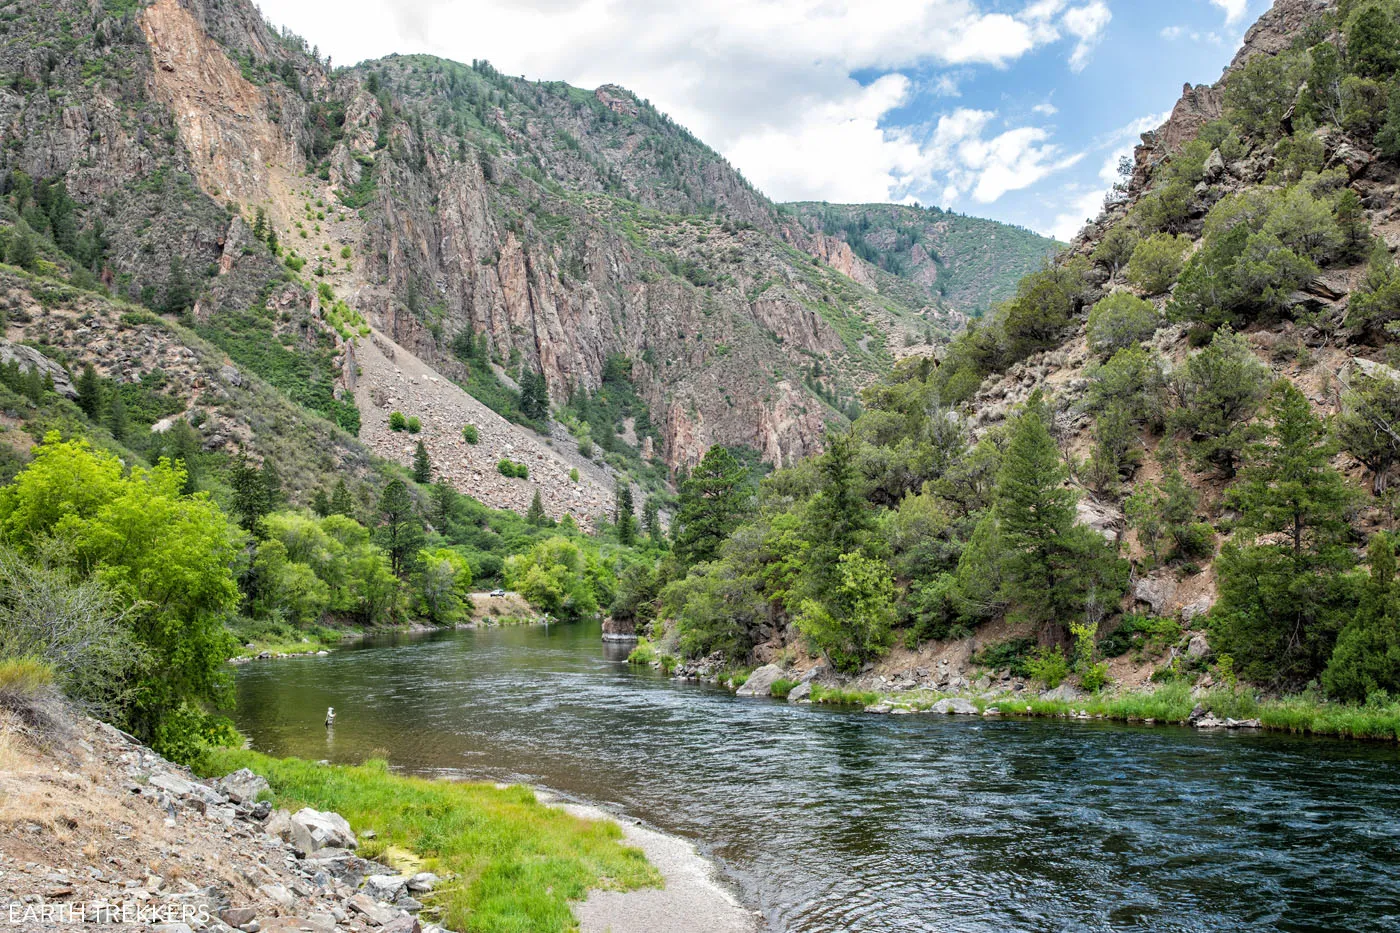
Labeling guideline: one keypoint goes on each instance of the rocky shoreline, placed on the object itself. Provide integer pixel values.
(111, 832)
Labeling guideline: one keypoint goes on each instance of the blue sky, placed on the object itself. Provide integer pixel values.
(1011, 109)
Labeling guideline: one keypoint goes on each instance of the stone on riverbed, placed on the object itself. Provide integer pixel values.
(800, 693)
(956, 706)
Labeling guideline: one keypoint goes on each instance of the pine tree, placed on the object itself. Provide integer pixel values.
(713, 501)
(422, 466)
(342, 503)
(1051, 564)
(1219, 393)
(90, 392)
(21, 252)
(34, 386)
(399, 531)
(179, 291)
(535, 515)
(272, 484)
(624, 513)
(116, 417)
(1282, 601)
(839, 518)
(260, 226)
(250, 501)
(444, 506)
(1366, 659)
(651, 520)
(321, 503)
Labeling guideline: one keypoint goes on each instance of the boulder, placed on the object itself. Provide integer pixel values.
(1196, 609)
(1157, 591)
(321, 830)
(1199, 646)
(956, 706)
(278, 894)
(423, 881)
(760, 682)
(29, 358)
(373, 913)
(1101, 517)
(279, 824)
(242, 786)
(402, 925)
(1064, 692)
(237, 916)
(800, 693)
(1214, 167)
(385, 888)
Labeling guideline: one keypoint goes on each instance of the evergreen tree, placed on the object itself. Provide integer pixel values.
(342, 503)
(839, 519)
(624, 513)
(34, 389)
(1220, 390)
(117, 422)
(1369, 425)
(250, 499)
(21, 252)
(1051, 565)
(179, 291)
(260, 226)
(399, 532)
(444, 506)
(1366, 659)
(90, 392)
(422, 466)
(272, 484)
(651, 520)
(1282, 598)
(535, 515)
(713, 501)
(321, 503)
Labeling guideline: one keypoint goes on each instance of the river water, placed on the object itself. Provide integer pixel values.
(827, 820)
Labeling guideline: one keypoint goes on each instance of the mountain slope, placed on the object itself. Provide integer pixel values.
(969, 263)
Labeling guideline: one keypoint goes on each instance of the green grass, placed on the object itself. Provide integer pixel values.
(836, 696)
(782, 687)
(23, 678)
(514, 863)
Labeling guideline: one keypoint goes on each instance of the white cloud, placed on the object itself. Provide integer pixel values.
(1172, 33)
(1084, 206)
(766, 82)
(1087, 23)
(1045, 109)
(1234, 9)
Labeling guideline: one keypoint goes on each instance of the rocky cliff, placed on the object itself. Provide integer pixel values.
(435, 202)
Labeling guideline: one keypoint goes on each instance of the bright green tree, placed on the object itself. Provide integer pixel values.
(1366, 659)
(624, 512)
(444, 581)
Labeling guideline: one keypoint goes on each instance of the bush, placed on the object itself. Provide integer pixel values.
(573, 474)
(1157, 262)
(1121, 320)
(1049, 666)
(782, 687)
(1094, 677)
(413, 425)
(511, 468)
(1010, 655)
(470, 434)
(397, 422)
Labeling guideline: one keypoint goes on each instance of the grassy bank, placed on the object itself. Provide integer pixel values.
(515, 862)
(1170, 703)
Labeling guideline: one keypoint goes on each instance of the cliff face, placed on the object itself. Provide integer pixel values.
(566, 225)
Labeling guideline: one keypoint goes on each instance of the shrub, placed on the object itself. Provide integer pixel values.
(470, 434)
(782, 687)
(397, 422)
(511, 468)
(345, 252)
(413, 425)
(1010, 655)
(1094, 677)
(1049, 666)
(573, 474)
(295, 262)
(1121, 320)
(1157, 262)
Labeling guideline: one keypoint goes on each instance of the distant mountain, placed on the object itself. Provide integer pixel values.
(970, 263)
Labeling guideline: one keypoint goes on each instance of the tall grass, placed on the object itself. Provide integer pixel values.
(516, 862)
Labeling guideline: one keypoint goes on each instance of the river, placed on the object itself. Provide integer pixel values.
(829, 820)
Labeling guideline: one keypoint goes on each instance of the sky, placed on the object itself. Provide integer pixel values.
(1016, 110)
